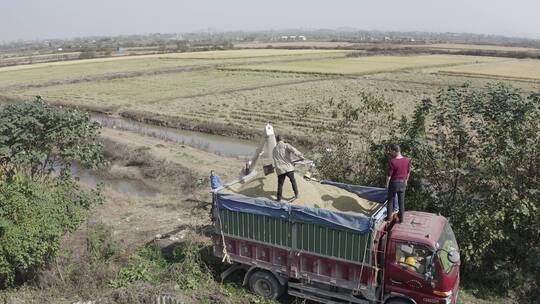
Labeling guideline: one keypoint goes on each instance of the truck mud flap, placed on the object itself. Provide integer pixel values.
(234, 267)
(315, 294)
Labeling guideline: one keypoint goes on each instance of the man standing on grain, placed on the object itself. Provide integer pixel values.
(396, 181)
(282, 155)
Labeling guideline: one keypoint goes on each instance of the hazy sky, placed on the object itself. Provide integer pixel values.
(41, 19)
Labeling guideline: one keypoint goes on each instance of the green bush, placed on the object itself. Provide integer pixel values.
(34, 217)
(475, 155)
(38, 138)
(145, 265)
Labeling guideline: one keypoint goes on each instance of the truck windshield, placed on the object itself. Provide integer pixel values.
(447, 242)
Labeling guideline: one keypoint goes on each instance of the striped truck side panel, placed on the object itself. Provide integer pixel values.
(310, 238)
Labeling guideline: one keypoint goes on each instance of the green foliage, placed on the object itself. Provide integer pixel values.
(146, 265)
(235, 290)
(190, 272)
(34, 217)
(200, 181)
(36, 137)
(149, 264)
(475, 159)
(100, 245)
(476, 162)
(344, 151)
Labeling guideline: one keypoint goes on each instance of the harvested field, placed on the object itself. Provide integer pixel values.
(157, 90)
(190, 93)
(487, 47)
(527, 70)
(311, 194)
(41, 75)
(63, 71)
(249, 53)
(365, 65)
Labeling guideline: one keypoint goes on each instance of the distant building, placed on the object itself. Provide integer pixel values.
(303, 38)
(292, 37)
(60, 49)
(284, 37)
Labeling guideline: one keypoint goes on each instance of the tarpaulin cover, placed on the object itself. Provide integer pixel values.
(338, 220)
(373, 194)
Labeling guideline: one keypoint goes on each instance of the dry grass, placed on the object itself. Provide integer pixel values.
(156, 90)
(511, 69)
(365, 65)
(171, 85)
(459, 46)
(50, 74)
(58, 71)
(250, 53)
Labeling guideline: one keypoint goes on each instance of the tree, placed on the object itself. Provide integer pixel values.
(37, 138)
(475, 160)
(35, 214)
(475, 154)
(346, 138)
(34, 217)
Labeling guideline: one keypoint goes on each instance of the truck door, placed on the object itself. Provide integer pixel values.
(407, 264)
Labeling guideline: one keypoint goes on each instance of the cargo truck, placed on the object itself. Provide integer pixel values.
(333, 244)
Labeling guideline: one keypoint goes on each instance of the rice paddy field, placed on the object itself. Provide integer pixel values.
(251, 87)
(458, 46)
(527, 70)
(366, 65)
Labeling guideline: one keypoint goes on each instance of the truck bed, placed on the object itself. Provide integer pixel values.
(326, 236)
(311, 194)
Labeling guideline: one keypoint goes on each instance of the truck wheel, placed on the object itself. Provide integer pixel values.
(266, 285)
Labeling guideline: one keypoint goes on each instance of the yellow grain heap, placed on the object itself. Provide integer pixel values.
(312, 194)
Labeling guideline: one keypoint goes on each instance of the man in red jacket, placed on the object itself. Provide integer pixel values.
(396, 181)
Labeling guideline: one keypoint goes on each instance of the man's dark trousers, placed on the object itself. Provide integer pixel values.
(396, 187)
(281, 180)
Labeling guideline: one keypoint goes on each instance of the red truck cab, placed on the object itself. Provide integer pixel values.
(422, 260)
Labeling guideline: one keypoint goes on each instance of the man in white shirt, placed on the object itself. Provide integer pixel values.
(283, 162)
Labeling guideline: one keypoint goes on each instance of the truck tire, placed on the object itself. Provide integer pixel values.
(265, 284)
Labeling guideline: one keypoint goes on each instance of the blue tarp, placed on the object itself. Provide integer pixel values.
(373, 194)
(358, 223)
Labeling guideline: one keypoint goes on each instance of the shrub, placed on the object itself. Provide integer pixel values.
(38, 138)
(475, 159)
(34, 216)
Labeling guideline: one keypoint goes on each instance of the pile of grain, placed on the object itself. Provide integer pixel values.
(312, 194)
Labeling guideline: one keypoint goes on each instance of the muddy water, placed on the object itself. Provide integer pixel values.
(128, 186)
(221, 145)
